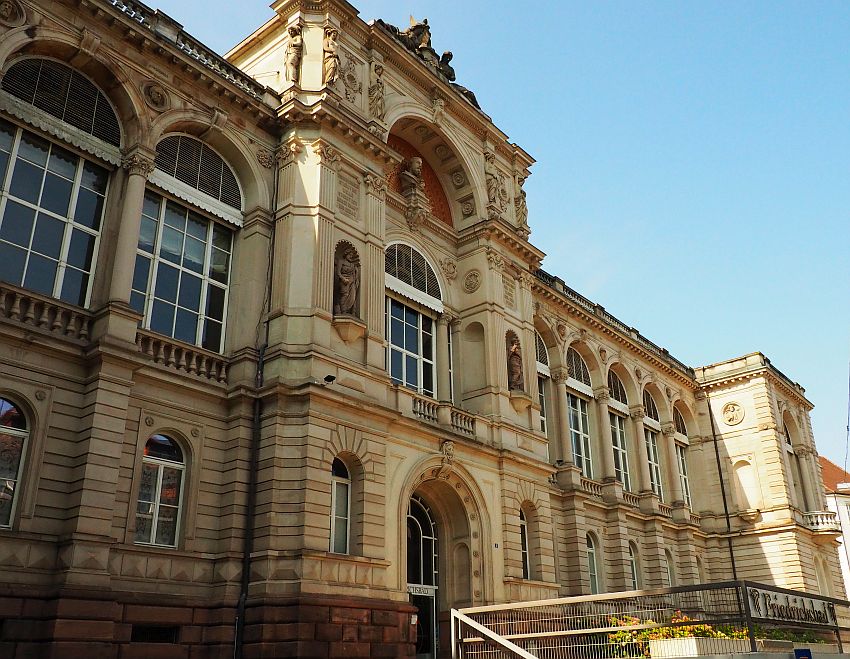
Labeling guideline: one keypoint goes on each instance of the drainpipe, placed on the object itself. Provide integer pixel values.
(254, 460)
(722, 488)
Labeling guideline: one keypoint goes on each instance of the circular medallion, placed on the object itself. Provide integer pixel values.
(472, 281)
(732, 413)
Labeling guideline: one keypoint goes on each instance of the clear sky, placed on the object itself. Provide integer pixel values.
(693, 162)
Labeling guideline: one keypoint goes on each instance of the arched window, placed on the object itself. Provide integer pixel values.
(13, 443)
(412, 303)
(681, 445)
(679, 422)
(160, 493)
(51, 205)
(543, 375)
(62, 92)
(650, 433)
(192, 162)
(182, 270)
(618, 391)
(340, 507)
(618, 431)
(669, 572)
(523, 546)
(422, 559)
(634, 567)
(578, 393)
(650, 409)
(592, 566)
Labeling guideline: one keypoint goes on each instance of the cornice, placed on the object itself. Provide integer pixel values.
(760, 370)
(502, 233)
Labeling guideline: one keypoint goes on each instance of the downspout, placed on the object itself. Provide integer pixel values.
(254, 460)
(722, 488)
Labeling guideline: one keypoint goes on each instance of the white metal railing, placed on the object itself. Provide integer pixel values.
(821, 520)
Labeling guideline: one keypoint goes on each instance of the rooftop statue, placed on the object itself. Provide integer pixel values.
(417, 39)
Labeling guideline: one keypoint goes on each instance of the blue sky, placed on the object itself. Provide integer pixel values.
(693, 162)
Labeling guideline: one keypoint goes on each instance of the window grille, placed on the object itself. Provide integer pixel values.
(618, 391)
(578, 369)
(13, 440)
(409, 266)
(62, 92)
(194, 163)
(679, 421)
(649, 408)
(542, 353)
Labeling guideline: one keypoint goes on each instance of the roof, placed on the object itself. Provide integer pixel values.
(833, 475)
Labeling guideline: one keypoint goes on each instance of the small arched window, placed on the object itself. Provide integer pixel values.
(669, 573)
(650, 409)
(542, 352)
(679, 422)
(192, 162)
(618, 391)
(340, 507)
(408, 266)
(62, 92)
(523, 545)
(577, 367)
(592, 566)
(634, 567)
(13, 443)
(160, 498)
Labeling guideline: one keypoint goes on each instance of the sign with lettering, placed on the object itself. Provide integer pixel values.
(768, 605)
(430, 591)
(348, 196)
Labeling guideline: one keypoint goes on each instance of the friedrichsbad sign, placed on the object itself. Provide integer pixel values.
(769, 605)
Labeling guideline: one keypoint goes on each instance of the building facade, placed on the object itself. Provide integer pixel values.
(836, 484)
(280, 370)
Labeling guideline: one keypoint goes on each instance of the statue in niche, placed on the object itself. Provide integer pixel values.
(294, 51)
(376, 94)
(7, 10)
(515, 379)
(346, 280)
(519, 202)
(330, 63)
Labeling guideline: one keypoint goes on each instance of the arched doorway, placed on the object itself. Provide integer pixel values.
(443, 552)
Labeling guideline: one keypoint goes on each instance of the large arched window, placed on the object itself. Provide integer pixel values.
(413, 301)
(617, 411)
(14, 433)
(592, 566)
(340, 507)
(421, 544)
(182, 271)
(160, 493)
(681, 444)
(523, 545)
(543, 374)
(579, 392)
(651, 427)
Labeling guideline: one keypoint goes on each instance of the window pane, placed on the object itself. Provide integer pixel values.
(81, 249)
(212, 336)
(410, 316)
(12, 260)
(74, 287)
(89, 209)
(56, 195)
(411, 338)
(41, 274)
(144, 522)
(219, 262)
(397, 332)
(147, 234)
(7, 495)
(215, 302)
(221, 237)
(26, 181)
(186, 327)
(141, 273)
(427, 346)
(172, 245)
(94, 177)
(150, 207)
(193, 254)
(34, 149)
(147, 486)
(411, 375)
(11, 447)
(340, 536)
(62, 162)
(341, 499)
(166, 526)
(166, 282)
(162, 317)
(190, 292)
(196, 226)
(47, 239)
(428, 379)
(175, 216)
(4, 162)
(7, 135)
(396, 309)
(170, 490)
(396, 365)
(17, 224)
(137, 301)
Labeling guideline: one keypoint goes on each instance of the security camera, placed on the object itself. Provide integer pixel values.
(329, 379)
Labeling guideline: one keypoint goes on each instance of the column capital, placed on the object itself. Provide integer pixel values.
(375, 185)
(637, 412)
(138, 161)
(668, 429)
(560, 375)
(446, 318)
(602, 395)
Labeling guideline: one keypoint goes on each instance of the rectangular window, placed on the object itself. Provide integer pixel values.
(51, 207)
(541, 397)
(182, 273)
(682, 460)
(621, 455)
(410, 348)
(580, 434)
(651, 439)
(340, 503)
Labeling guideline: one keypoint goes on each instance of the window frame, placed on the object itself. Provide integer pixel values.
(542, 387)
(580, 436)
(421, 360)
(337, 483)
(161, 465)
(620, 444)
(68, 221)
(26, 436)
(525, 557)
(592, 565)
(634, 566)
(682, 464)
(653, 458)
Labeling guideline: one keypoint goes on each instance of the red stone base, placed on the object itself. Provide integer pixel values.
(101, 625)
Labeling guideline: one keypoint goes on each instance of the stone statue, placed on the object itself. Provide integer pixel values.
(445, 68)
(515, 379)
(7, 10)
(376, 95)
(294, 50)
(330, 48)
(346, 280)
(411, 176)
(519, 202)
(496, 193)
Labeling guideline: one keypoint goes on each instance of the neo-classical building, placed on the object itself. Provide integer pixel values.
(280, 370)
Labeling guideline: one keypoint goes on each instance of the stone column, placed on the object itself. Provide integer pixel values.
(443, 384)
(601, 397)
(637, 413)
(563, 443)
(138, 163)
(675, 489)
(808, 476)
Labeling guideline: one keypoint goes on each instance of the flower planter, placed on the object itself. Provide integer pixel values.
(696, 647)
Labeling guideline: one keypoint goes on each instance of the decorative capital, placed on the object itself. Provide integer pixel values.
(560, 375)
(137, 165)
(668, 429)
(289, 151)
(328, 155)
(494, 259)
(637, 412)
(375, 185)
(602, 395)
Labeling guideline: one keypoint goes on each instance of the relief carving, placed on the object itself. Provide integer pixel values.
(449, 268)
(472, 281)
(521, 207)
(294, 53)
(732, 413)
(12, 14)
(352, 85)
(155, 96)
(497, 193)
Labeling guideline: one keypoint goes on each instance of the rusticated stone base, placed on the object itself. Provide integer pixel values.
(88, 624)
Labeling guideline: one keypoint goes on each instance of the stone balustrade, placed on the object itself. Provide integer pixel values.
(631, 499)
(821, 520)
(182, 357)
(591, 487)
(665, 510)
(425, 409)
(45, 313)
(463, 422)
